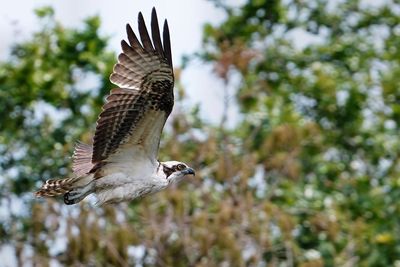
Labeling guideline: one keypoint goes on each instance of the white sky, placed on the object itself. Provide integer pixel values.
(185, 19)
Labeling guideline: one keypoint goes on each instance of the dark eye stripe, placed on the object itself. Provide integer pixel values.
(167, 171)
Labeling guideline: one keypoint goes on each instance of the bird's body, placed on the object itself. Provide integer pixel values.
(123, 185)
(122, 164)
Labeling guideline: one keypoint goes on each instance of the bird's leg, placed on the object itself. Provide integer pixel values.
(77, 194)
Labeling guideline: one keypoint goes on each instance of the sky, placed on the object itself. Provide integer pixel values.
(185, 20)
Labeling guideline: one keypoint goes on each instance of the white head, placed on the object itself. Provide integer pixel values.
(175, 170)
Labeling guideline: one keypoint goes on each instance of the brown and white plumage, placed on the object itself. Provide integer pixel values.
(145, 77)
(122, 163)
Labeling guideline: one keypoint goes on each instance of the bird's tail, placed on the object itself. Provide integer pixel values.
(55, 187)
(73, 189)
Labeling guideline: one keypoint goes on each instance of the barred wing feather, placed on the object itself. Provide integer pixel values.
(135, 113)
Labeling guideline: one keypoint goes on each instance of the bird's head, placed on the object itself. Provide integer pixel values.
(175, 170)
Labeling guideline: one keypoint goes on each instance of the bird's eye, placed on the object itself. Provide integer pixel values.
(180, 167)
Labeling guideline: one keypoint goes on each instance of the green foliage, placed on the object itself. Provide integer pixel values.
(308, 177)
(326, 128)
(46, 72)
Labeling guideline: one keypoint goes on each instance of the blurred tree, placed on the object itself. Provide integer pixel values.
(319, 97)
(309, 176)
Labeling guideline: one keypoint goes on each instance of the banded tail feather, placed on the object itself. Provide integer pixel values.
(73, 189)
(55, 187)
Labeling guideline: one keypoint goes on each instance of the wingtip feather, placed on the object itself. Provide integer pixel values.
(140, 16)
(155, 33)
(167, 43)
(144, 34)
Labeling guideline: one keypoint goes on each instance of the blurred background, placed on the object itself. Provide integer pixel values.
(289, 111)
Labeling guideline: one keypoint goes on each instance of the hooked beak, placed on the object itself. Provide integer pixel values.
(189, 171)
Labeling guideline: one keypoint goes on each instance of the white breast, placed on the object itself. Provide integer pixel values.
(124, 182)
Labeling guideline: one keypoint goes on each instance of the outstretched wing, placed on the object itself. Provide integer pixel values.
(134, 114)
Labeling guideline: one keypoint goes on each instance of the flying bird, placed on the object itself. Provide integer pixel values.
(122, 163)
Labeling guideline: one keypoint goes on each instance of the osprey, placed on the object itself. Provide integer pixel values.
(122, 164)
